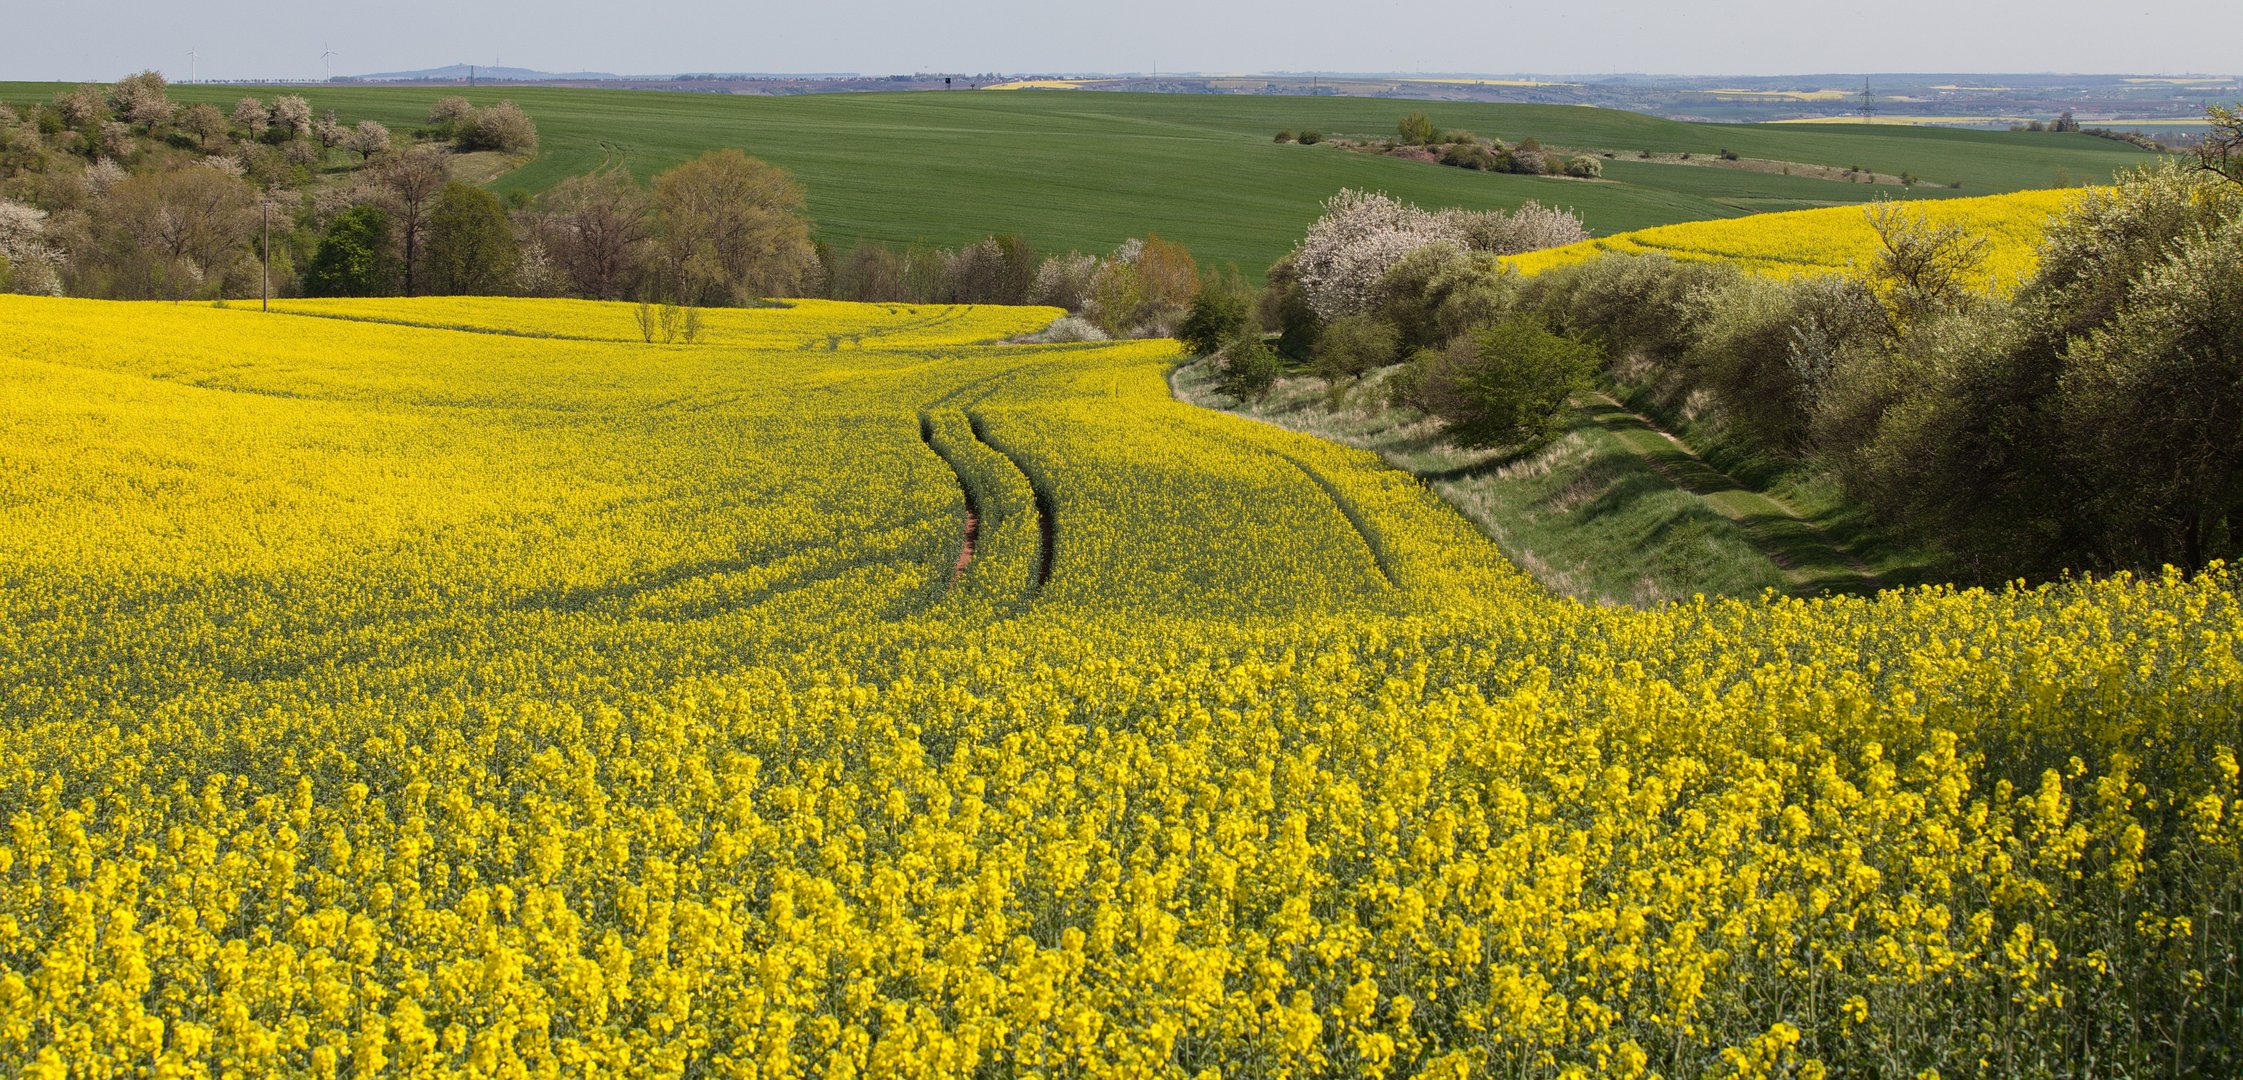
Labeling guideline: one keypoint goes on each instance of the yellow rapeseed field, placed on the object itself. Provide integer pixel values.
(466, 688)
(1834, 239)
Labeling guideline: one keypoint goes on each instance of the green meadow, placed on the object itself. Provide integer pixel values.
(1079, 169)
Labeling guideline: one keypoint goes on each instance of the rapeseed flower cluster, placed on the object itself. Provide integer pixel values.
(391, 700)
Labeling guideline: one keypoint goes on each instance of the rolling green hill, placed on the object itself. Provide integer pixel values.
(1086, 169)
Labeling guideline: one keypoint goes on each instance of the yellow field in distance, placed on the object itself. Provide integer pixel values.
(794, 324)
(1831, 240)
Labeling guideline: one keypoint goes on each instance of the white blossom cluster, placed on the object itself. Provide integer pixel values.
(1360, 236)
(33, 264)
(1363, 234)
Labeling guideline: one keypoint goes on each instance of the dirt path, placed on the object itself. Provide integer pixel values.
(966, 551)
(1808, 556)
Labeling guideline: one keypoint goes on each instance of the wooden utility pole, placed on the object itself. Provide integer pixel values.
(265, 264)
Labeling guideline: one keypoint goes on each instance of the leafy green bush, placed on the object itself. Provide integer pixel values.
(354, 256)
(1470, 155)
(1507, 385)
(1352, 345)
(1249, 368)
(1216, 317)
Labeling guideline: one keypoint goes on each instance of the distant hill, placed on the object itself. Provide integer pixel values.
(462, 72)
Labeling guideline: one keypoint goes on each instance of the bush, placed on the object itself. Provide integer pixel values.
(449, 115)
(1441, 291)
(1311, 136)
(503, 127)
(1067, 329)
(1217, 316)
(1647, 305)
(1415, 129)
(1532, 227)
(1064, 281)
(1285, 136)
(1352, 346)
(1284, 308)
(1470, 156)
(1584, 167)
(1248, 369)
(1360, 235)
(1508, 385)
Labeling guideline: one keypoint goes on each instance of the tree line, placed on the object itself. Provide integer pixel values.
(119, 192)
(2086, 421)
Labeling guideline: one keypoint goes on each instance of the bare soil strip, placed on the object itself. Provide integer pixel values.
(972, 532)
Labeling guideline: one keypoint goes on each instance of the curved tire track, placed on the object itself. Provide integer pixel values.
(1047, 547)
(973, 503)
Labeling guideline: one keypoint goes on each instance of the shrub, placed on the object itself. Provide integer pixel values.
(1360, 235)
(1352, 346)
(1285, 136)
(1508, 385)
(1415, 129)
(503, 127)
(1584, 167)
(449, 116)
(1531, 227)
(1647, 305)
(1440, 292)
(1064, 281)
(1283, 307)
(1217, 316)
(1067, 329)
(1470, 156)
(1248, 369)
(1311, 136)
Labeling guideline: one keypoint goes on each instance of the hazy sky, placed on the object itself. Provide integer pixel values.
(53, 39)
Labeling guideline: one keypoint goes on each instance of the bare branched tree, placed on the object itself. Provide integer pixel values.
(410, 183)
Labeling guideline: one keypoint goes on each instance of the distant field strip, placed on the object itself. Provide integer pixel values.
(1832, 239)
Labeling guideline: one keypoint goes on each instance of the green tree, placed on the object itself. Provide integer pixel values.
(2153, 404)
(470, 244)
(1249, 368)
(731, 229)
(1351, 346)
(1416, 129)
(1512, 385)
(1218, 315)
(354, 256)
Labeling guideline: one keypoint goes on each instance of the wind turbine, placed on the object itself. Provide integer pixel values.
(191, 55)
(323, 59)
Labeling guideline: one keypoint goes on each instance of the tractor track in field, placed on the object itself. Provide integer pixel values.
(972, 530)
(1339, 500)
(1047, 532)
(1347, 510)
